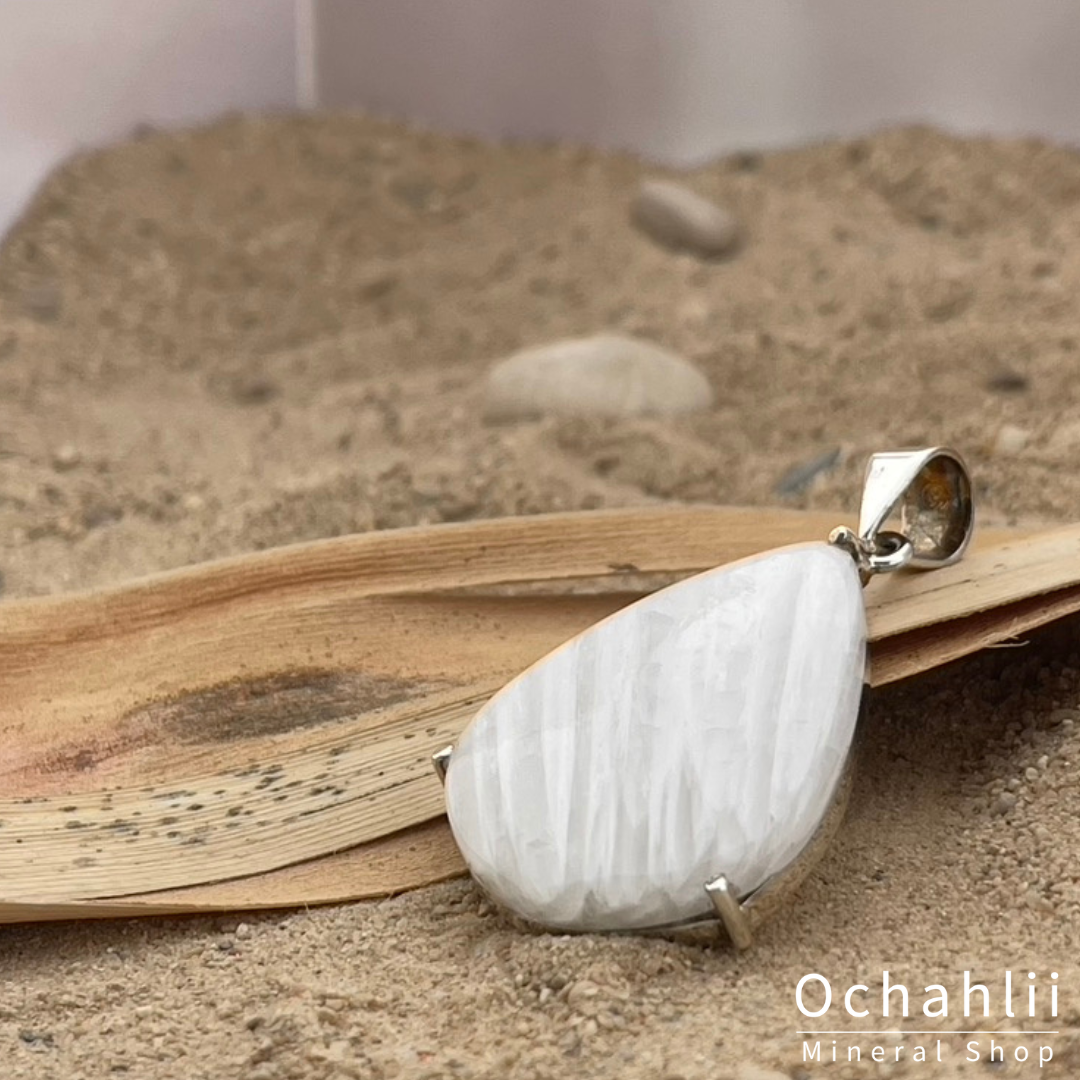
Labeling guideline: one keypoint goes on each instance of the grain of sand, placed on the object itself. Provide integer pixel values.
(276, 329)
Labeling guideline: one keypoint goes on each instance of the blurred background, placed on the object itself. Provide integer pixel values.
(677, 80)
(753, 240)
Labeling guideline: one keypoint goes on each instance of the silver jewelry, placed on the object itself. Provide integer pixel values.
(686, 759)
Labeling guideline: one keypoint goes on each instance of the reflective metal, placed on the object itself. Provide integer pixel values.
(928, 493)
(441, 762)
(730, 912)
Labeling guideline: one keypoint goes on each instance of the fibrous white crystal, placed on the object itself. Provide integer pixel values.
(698, 732)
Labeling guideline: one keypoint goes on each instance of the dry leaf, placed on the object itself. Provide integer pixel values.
(257, 732)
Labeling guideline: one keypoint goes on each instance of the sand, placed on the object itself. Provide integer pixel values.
(276, 329)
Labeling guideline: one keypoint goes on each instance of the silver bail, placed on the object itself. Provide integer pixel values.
(928, 494)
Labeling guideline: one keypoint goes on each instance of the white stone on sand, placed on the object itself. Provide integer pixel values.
(701, 731)
(677, 218)
(603, 375)
(1009, 441)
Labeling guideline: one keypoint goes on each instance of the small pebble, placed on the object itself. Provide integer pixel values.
(570, 1042)
(580, 996)
(1031, 774)
(1010, 440)
(65, 457)
(37, 1040)
(1008, 382)
(946, 296)
(243, 932)
(252, 390)
(1005, 802)
(605, 375)
(679, 219)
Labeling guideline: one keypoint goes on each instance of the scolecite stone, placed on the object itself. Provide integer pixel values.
(700, 731)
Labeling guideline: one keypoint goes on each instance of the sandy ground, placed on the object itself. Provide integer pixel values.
(274, 330)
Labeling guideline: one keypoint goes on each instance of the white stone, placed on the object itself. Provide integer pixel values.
(1009, 440)
(603, 375)
(66, 457)
(700, 731)
(682, 220)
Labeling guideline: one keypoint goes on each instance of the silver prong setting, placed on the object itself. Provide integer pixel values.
(441, 762)
(730, 912)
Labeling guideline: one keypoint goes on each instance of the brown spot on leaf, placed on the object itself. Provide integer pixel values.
(250, 708)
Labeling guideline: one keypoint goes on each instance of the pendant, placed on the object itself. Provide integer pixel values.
(686, 759)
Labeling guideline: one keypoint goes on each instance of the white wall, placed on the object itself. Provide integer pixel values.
(683, 80)
(83, 72)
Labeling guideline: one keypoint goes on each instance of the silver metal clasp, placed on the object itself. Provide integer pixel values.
(927, 494)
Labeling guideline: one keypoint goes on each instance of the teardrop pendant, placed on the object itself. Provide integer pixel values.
(675, 760)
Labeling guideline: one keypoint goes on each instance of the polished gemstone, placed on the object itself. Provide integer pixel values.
(700, 731)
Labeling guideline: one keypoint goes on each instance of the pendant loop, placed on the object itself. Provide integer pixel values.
(929, 493)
